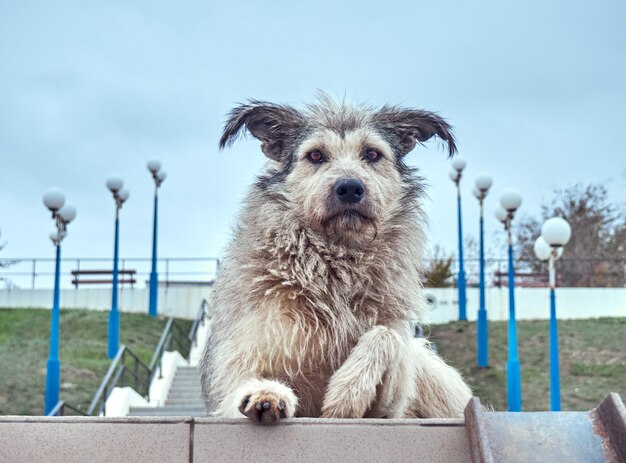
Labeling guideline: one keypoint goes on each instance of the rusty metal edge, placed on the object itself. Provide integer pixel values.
(612, 414)
(475, 426)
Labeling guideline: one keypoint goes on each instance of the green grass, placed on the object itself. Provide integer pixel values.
(592, 357)
(592, 360)
(24, 350)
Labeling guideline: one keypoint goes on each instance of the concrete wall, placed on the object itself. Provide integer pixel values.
(179, 301)
(530, 303)
(184, 301)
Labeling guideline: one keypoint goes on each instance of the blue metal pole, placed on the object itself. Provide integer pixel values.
(53, 367)
(555, 387)
(114, 315)
(461, 282)
(513, 376)
(481, 326)
(154, 277)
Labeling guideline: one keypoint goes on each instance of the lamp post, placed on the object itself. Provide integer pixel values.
(62, 214)
(555, 234)
(120, 195)
(483, 183)
(458, 164)
(510, 200)
(158, 176)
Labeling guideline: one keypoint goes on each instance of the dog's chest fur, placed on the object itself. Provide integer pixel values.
(295, 304)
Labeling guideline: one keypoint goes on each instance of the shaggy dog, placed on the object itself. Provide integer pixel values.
(314, 306)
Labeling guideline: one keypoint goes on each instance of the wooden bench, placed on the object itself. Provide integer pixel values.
(124, 277)
(523, 279)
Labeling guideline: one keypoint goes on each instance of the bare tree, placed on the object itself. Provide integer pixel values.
(438, 269)
(596, 253)
(4, 263)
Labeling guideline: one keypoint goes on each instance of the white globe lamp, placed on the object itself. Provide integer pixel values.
(510, 199)
(154, 165)
(483, 182)
(556, 231)
(54, 199)
(458, 163)
(542, 249)
(68, 212)
(115, 183)
(501, 214)
(124, 194)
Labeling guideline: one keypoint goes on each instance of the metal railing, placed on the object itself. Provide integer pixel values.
(127, 369)
(117, 375)
(39, 272)
(201, 315)
(61, 407)
(573, 270)
(29, 272)
(173, 334)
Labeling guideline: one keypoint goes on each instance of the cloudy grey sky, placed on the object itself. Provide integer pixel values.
(536, 92)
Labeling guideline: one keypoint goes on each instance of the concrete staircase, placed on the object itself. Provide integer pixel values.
(184, 397)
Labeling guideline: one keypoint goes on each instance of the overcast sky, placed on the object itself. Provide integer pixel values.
(536, 92)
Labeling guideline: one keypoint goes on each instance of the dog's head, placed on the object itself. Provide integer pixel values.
(340, 167)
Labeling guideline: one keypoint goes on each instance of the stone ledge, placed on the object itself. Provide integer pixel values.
(598, 435)
(147, 439)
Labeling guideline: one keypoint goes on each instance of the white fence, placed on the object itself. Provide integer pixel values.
(182, 301)
(530, 303)
(178, 301)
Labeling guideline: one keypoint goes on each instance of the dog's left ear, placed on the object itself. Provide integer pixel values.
(408, 127)
(271, 123)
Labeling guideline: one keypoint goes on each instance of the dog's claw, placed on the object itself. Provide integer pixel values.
(244, 404)
(282, 408)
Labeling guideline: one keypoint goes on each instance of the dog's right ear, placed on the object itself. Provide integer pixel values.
(412, 126)
(271, 123)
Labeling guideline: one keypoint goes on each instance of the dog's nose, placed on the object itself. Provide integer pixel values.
(349, 190)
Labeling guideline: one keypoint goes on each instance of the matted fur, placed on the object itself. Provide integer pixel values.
(314, 304)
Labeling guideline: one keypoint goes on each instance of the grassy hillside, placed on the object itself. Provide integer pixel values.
(592, 360)
(24, 343)
(593, 357)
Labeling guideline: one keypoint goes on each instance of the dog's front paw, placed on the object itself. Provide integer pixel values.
(267, 402)
(341, 401)
(333, 412)
(263, 408)
(340, 410)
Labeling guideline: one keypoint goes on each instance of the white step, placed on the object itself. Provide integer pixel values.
(169, 410)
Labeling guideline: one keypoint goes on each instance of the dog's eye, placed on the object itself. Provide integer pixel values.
(372, 155)
(315, 157)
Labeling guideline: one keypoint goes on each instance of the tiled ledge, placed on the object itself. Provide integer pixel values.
(598, 435)
(136, 439)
